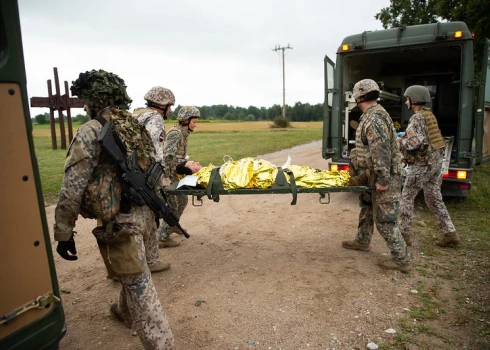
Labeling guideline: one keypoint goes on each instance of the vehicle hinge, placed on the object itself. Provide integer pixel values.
(360, 45)
(473, 83)
(470, 155)
(331, 150)
(401, 28)
(439, 36)
(40, 302)
(332, 91)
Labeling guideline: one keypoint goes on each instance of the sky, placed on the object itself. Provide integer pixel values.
(207, 52)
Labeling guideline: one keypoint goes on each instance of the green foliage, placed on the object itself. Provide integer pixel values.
(81, 118)
(230, 116)
(475, 13)
(403, 12)
(41, 119)
(299, 112)
(280, 122)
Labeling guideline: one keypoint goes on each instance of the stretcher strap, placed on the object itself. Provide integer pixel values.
(214, 185)
(292, 183)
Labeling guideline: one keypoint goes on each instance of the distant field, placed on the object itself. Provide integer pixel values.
(208, 144)
(210, 126)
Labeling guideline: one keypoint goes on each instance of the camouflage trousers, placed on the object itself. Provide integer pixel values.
(138, 298)
(150, 242)
(382, 208)
(178, 203)
(427, 178)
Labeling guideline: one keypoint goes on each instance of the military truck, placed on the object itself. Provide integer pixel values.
(31, 312)
(438, 56)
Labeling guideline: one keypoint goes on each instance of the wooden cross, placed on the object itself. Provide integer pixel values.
(60, 103)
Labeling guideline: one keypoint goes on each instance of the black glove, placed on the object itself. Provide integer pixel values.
(67, 246)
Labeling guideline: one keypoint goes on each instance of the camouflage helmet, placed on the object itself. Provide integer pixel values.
(364, 86)
(160, 95)
(418, 94)
(188, 112)
(100, 89)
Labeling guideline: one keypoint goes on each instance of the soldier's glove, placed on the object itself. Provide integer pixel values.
(65, 247)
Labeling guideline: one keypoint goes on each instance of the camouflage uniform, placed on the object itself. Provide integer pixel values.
(423, 173)
(138, 297)
(155, 125)
(174, 152)
(378, 153)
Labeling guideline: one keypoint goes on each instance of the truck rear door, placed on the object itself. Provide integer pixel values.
(31, 314)
(482, 126)
(327, 148)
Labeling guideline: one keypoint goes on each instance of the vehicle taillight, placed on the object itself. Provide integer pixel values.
(455, 174)
(339, 167)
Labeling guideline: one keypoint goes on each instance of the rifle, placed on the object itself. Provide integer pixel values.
(140, 192)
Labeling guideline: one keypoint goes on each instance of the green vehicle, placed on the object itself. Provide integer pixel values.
(31, 312)
(438, 56)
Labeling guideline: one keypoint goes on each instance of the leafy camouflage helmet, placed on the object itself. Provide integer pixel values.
(364, 86)
(100, 89)
(188, 112)
(160, 95)
(418, 94)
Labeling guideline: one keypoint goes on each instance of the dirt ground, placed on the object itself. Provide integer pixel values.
(257, 273)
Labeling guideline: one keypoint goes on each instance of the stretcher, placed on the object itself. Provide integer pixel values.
(281, 186)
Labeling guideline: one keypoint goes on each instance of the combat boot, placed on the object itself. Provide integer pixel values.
(356, 246)
(449, 240)
(168, 243)
(118, 315)
(389, 264)
(159, 266)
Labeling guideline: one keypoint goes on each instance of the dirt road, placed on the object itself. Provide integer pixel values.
(257, 273)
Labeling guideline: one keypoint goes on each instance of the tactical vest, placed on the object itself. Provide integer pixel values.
(364, 157)
(435, 138)
(181, 151)
(434, 141)
(102, 197)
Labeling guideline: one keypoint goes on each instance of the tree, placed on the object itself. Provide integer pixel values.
(40, 119)
(475, 13)
(230, 116)
(407, 12)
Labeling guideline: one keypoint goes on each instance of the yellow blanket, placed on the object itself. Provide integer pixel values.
(259, 173)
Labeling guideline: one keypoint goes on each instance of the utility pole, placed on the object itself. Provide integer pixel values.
(277, 48)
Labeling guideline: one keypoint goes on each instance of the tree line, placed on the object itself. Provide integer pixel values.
(475, 13)
(300, 112)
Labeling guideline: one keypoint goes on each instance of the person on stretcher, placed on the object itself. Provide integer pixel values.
(259, 173)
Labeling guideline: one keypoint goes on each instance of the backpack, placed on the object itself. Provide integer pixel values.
(102, 197)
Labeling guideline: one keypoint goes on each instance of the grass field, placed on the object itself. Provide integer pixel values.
(208, 144)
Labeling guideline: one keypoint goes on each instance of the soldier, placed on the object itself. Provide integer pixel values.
(378, 156)
(159, 103)
(423, 148)
(174, 153)
(92, 187)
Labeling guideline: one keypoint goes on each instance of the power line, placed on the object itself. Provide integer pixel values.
(277, 48)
